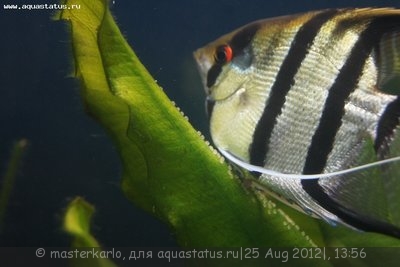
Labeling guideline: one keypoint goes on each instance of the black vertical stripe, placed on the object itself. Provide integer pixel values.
(344, 84)
(284, 81)
(243, 38)
(330, 123)
(331, 119)
(213, 74)
(387, 124)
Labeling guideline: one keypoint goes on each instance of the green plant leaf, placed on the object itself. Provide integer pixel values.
(77, 221)
(168, 169)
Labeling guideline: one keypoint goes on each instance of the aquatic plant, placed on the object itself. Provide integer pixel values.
(8, 180)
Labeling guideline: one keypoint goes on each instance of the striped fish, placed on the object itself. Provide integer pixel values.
(310, 105)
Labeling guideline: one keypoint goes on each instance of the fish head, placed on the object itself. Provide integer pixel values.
(225, 66)
(220, 77)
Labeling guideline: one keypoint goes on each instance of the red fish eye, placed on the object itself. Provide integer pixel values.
(223, 54)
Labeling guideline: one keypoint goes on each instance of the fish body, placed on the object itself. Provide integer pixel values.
(303, 100)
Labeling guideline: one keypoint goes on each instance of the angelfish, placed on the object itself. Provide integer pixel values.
(309, 104)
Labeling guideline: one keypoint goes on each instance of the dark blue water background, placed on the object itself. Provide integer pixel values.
(69, 154)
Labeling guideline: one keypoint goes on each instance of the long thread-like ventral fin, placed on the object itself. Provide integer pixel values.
(253, 168)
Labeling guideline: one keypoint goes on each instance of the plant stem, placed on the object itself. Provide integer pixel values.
(9, 177)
